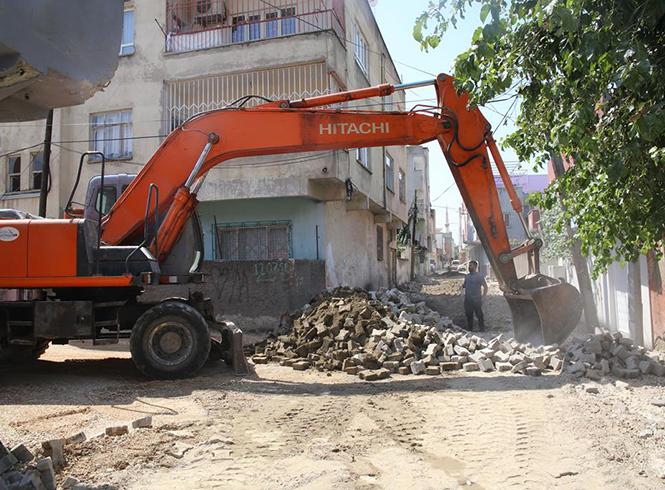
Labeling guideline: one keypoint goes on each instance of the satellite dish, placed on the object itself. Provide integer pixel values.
(372, 3)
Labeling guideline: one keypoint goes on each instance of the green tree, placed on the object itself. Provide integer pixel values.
(590, 75)
(552, 231)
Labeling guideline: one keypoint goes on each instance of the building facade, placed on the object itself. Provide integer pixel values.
(416, 186)
(342, 207)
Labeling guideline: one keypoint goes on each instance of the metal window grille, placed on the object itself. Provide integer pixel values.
(254, 241)
(402, 186)
(201, 24)
(127, 43)
(112, 134)
(379, 243)
(37, 160)
(390, 173)
(14, 174)
(185, 98)
(362, 52)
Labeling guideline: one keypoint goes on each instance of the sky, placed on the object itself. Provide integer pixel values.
(396, 19)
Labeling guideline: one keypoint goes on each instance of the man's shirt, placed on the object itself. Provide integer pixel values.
(473, 284)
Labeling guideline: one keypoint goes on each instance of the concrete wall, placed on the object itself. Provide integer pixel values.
(259, 291)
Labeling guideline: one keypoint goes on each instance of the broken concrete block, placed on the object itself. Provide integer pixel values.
(658, 369)
(7, 462)
(646, 367)
(486, 365)
(383, 373)
(594, 375)
(47, 474)
(370, 376)
(117, 430)
(391, 365)
(461, 351)
(432, 370)
(450, 366)
(519, 367)
(404, 370)
(623, 385)
(470, 366)
(533, 371)
(504, 366)
(22, 453)
(142, 423)
(76, 438)
(576, 368)
(69, 482)
(352, 370)
(31, 481)
(418, 367)
(591, 389)
(300, 365)
(260, 359)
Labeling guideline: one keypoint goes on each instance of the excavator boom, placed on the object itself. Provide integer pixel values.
(465, 137)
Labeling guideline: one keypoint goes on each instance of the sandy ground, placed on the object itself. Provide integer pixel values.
(284, 429)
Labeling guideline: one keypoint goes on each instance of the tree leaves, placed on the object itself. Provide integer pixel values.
(591, 80)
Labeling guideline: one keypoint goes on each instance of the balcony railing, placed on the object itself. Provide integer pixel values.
(201, 24)
(184, 98)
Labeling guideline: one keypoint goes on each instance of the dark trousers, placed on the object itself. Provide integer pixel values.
(471, 306)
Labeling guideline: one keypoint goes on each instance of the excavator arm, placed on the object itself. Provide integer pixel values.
(206, 140)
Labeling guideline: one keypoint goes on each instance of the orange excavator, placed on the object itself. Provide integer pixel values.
(80, 278)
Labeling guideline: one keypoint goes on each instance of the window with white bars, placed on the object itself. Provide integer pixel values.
(185, 98)
(112, 134)
(390, 173)
(254, 241)
(362, 157)
(14, 173)
(362, 52)
(127, 43)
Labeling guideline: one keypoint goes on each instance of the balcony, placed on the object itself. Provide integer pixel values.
(200, 24)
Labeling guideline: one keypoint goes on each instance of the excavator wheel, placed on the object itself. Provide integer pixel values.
(169, 341)
(21, 354)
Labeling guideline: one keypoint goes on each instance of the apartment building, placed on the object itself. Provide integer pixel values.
(182, 57)
(416, 183)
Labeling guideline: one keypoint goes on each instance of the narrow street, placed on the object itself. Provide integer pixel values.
(281, 428)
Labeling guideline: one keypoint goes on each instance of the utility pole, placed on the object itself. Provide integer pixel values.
(413, 232)
(580, 263)
(46, 164)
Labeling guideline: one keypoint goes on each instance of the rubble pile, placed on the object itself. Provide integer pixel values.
(374, 334)
(18, 472)
(611, 353)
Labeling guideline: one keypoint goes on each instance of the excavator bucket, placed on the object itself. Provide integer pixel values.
(545, 311)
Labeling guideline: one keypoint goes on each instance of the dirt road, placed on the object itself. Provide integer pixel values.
(285, 429)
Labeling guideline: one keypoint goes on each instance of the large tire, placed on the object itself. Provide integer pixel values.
(169, 341)
(21, 354)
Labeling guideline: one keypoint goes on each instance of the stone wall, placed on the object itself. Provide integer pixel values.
(259, 292)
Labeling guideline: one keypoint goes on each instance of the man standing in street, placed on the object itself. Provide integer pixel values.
(473, 298)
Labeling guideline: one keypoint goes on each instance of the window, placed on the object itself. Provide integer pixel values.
(379, 243)
(254, 27)
(127, 42)
(37, 160)
(362, 157)
(362, 52)
(402, 185)
(271, 24)
(288, 21)
(106, 199)
(390, 173)
(238, 29)
(14, 174)
(254, 241)
(112, 134)
(506, 219)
